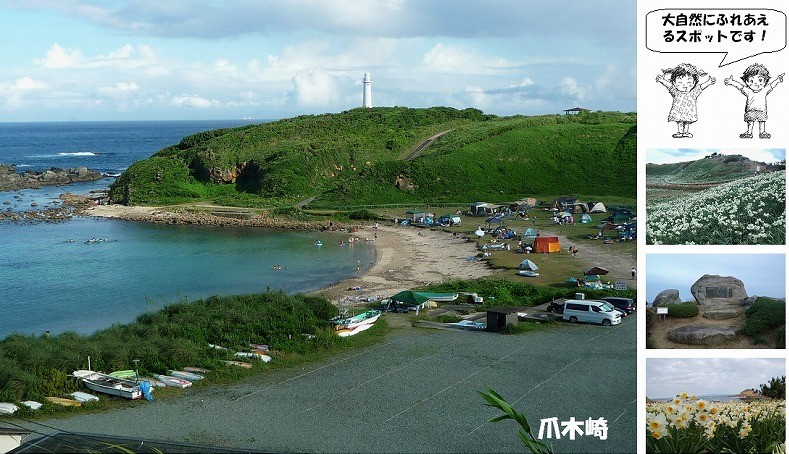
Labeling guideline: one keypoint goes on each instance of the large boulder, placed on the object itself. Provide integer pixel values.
(718, 291)
(702, 335)
(666, 297)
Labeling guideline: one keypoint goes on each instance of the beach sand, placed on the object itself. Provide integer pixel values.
(405, 257)
(408, 257)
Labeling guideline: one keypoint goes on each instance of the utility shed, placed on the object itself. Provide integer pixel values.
(500, 317)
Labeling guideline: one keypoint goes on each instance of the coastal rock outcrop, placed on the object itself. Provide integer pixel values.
(702, 335)
(713, 291)
(11, 180)
(666, 297)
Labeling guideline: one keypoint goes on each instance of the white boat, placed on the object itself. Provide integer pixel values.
(7, 408)
(365, 318)
(351, 332)
(175, 382)
(103, 383)
(191, 376)
(79, 396)
(32, 404)
(254, 355)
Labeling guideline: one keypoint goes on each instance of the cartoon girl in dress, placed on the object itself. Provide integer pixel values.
(683, 84)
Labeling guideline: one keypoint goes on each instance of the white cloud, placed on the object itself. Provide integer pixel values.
(193, 101)
(15, 92)
(58, 56)
(315, 88)
(119, 89)
(478, 98)
(456, 59)
(571, 87)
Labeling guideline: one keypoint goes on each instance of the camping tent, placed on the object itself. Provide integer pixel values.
(564, 203)
(596, 207)
(585, 218)
(529, 234)
(449, 219)
(547, 244)
(527, 265)
(595, 270)
(621, 215)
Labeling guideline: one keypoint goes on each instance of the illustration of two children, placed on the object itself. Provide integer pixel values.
(683, 84)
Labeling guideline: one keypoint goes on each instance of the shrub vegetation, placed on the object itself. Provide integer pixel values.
(765, 314)
(684, 310)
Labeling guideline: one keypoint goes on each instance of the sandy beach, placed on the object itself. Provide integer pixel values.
(406, 257)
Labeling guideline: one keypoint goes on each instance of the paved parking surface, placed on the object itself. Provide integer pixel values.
(414, 393)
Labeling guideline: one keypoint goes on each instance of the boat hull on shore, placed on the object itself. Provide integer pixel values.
(350, 323)
(106, 384)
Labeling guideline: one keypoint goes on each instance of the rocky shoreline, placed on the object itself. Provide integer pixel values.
(11, 180)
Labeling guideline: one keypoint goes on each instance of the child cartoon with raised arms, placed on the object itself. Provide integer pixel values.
(756, 88)
(683, 84)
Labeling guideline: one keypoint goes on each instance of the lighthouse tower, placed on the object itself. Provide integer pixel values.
(367, 98)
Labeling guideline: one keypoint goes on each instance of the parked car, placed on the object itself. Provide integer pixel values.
(591, 311)
(625, 304)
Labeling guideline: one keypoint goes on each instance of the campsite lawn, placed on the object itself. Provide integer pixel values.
(555, 268)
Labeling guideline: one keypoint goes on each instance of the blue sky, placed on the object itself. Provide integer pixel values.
(762, 274)
(667, 377)
(211, 59)
(673, 155)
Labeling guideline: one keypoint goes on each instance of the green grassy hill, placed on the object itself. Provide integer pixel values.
(712, 169)
(357, 157)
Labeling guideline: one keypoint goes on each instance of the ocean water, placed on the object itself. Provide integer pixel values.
(86, 274)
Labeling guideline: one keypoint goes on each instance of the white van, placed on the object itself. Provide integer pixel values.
(591, 311)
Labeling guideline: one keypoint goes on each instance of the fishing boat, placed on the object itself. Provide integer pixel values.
(107, 384)
(174, 382)
(254, 355)
(7, 408)
(197, 370)
(365, 318)
(440, 297)
(191, 376)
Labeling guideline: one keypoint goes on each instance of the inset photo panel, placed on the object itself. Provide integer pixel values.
(716, 196)
(715, 405)
(709, 301)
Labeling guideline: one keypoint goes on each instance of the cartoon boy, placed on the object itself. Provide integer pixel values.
(756, 78)
(683, 84)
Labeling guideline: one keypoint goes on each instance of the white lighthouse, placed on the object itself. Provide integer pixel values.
(367, 98)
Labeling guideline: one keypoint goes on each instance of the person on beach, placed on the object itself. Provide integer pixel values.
(756, 87)
(683, 84)
(632, 273)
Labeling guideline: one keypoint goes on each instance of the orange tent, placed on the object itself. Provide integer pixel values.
(547, 244)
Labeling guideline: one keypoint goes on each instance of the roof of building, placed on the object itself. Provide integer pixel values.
(80, 442)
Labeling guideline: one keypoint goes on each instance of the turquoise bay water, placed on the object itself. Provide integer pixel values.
(51, 279)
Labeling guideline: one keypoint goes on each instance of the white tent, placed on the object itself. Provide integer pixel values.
(598, 208)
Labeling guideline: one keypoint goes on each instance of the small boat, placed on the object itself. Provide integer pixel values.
(365, 318)
(154, 382)
(197, 370)
(7, 408)
(186, 375)
(440, 297)
(32, 404)
(103, 383)
(356, 330)
(124, 374)
(79, 396)
(239, 364)
(470, 325)
(254, 355)
(174, 382)
(62, 401)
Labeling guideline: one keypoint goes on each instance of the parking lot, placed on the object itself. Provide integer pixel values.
(416, 392)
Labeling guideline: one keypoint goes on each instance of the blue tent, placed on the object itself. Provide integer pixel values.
(527, 265)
